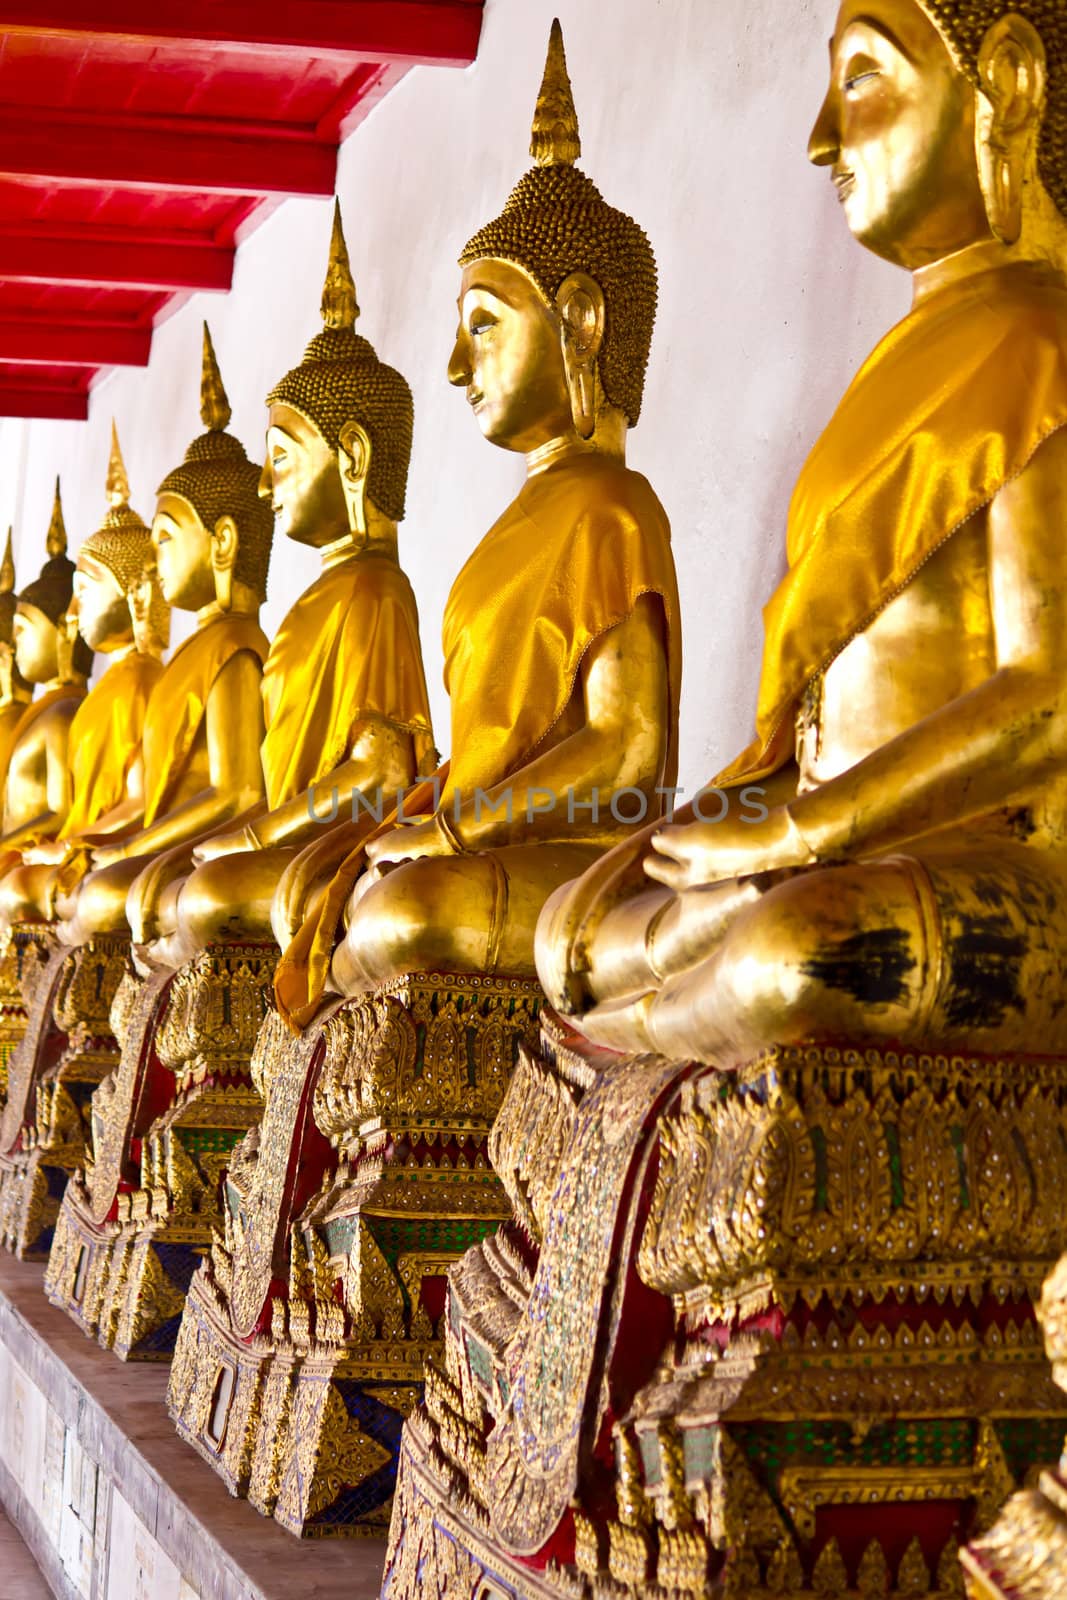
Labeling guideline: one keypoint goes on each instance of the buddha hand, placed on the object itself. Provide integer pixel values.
(238, 842)
(408, 842)
(692, 853)
(49, 853)
(107, 856)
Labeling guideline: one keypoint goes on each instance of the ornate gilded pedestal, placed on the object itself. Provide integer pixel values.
(306, 1333)
(1024, 1555)
(67, 1048)
(759, 1334)
(23, 952)
(12, 1011)
(131, 1234)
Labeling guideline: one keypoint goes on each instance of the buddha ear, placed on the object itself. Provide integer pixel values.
(1013, 74)
(353, 463)
(66, 634)
(582, 310)
(225, 541)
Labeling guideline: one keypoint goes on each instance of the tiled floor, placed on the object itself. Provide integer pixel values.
(20, 1576)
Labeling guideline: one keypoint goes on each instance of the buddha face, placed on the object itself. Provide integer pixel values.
(35, 644)
(183, 554)
(898, 129)
(301, 480)
(102, 608)
(509, 357)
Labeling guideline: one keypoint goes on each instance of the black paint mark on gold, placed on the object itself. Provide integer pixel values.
(1020, 821)
(872, 967)
(984, 973)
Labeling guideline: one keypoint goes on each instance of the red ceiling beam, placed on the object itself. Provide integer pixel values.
(38, 398)
(416, 32)
(356, 99)
(39, 339)
(139, 152)
(113, 260)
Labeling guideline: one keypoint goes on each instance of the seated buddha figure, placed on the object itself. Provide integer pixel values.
(37, 791)
(561, 642)
(200, 745)
(344, 692)
(106, 769)
(15, 692)
(908, 880)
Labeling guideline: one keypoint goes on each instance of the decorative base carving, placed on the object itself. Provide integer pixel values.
(22, 952)
(306, 1332)
(763, 1333)
(1024, 1554)
(164, 1130)
(309, 1437)
(1024, 1557)
(66, 1049)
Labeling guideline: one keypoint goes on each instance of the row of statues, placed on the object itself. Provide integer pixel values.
(612, 1199)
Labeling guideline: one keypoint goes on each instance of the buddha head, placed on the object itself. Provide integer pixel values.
(41, 609)
(109, 566)
(557, 299)
(945, 125)
(211, 532)
(340, 427)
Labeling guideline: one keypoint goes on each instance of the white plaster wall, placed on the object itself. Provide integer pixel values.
(695, 116)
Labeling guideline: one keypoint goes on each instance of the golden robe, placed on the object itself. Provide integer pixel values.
(30, 714)
(567, 561)
(105, 739)
(178, 704)
(950, 407)
(348, 651)
(10, 717)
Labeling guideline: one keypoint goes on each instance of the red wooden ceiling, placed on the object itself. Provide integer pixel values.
(140, 140)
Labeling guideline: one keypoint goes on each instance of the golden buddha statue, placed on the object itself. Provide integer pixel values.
(346, 710)
(562, 692)
(369, 1171)
(344, 692)
(15, 692)
(771, 1329)
(211, 538)
(908, 879)
(37, 792)
(106, 769)
(67, 1046)
(200, 748)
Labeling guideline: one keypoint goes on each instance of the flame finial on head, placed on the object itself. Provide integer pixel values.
(556, 223)
(121, 539)
(554, 138)
(118, 483)
(215, 410)
(7, 566)
(341, 380)
(56, 542)
(340, 307)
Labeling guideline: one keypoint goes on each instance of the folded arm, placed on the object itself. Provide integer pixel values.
(995, 746)
(1007, 737)
(380, 763)
(233, 724)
